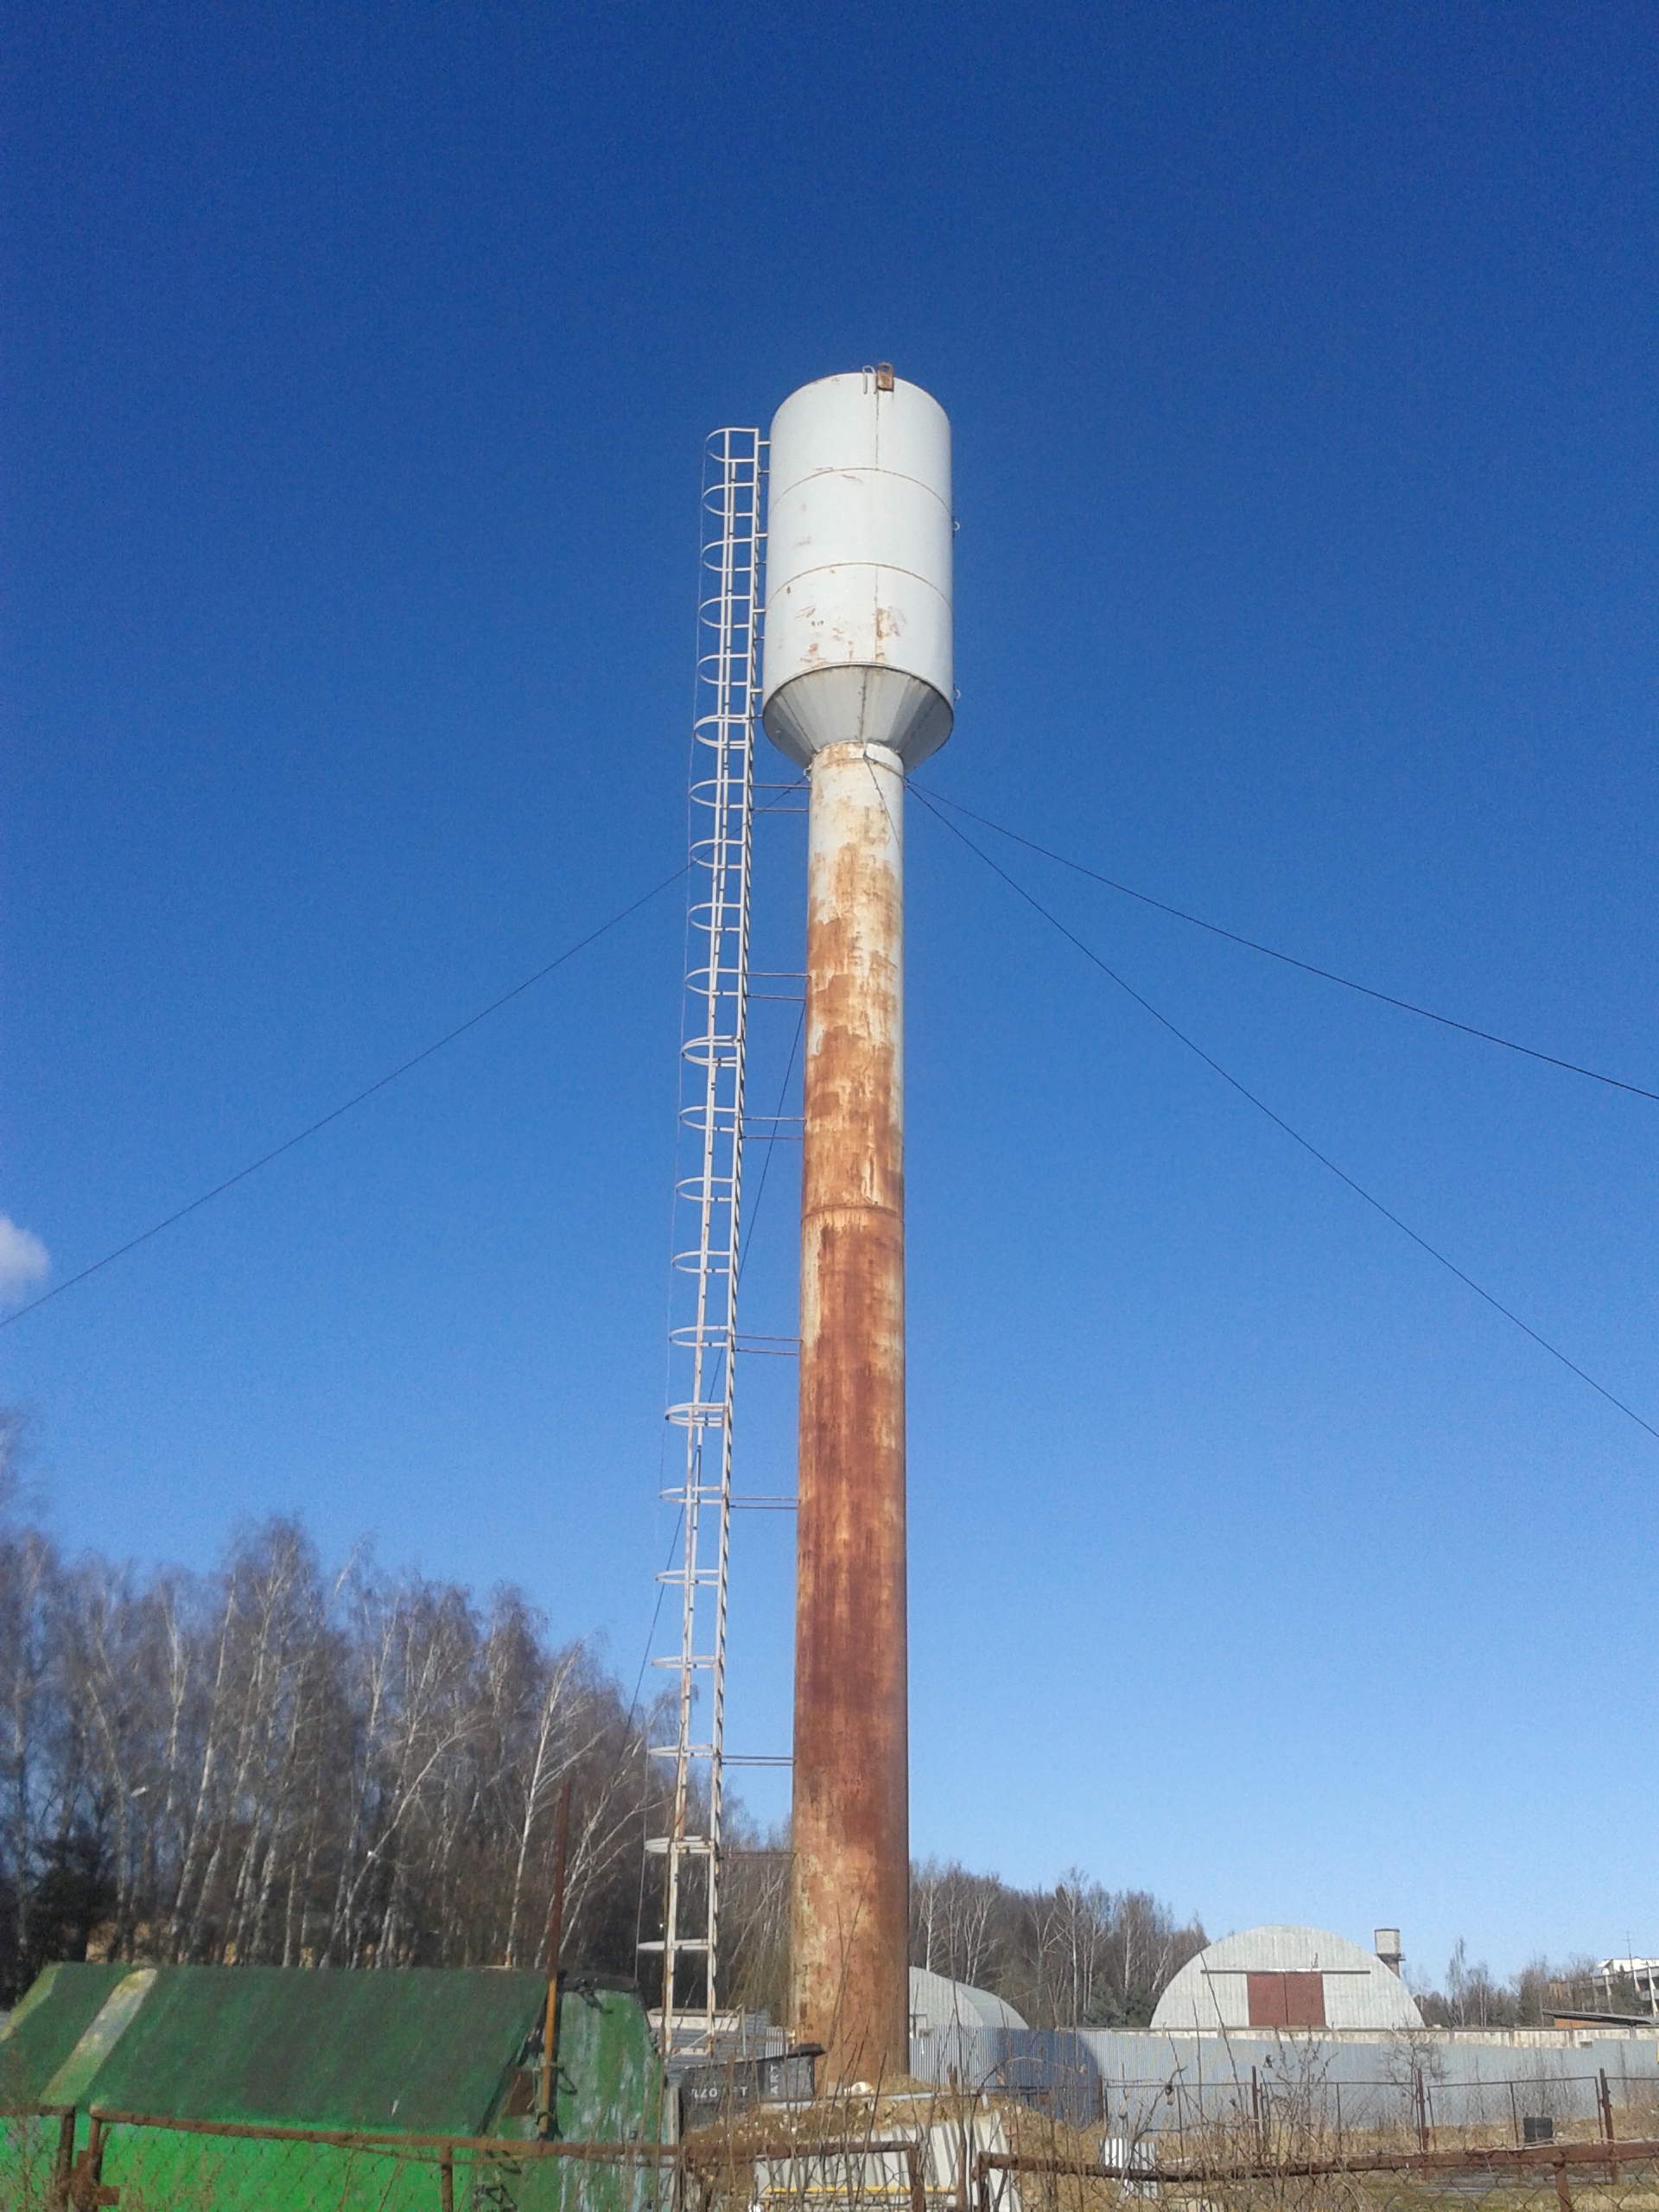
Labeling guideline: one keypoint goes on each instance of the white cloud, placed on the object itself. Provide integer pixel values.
(24, 1260)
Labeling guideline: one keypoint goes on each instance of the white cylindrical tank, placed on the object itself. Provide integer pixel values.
(858, 636)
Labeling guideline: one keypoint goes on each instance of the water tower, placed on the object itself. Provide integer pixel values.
(856, 688)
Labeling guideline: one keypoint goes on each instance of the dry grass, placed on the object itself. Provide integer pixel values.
(824, 2158)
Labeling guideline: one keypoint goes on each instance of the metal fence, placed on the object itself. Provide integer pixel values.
(1237, 2158)
(1550, 2178)
(1412, 2107)
(1136, 2055)
(70, 2162)
(1421, 2093)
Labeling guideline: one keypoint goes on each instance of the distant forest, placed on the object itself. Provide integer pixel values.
(282, 1764)
(1469, 1995)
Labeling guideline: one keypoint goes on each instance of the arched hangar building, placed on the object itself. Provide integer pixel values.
(1279, 1977)
(1258, 2009)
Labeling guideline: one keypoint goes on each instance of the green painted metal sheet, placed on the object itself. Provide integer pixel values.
(159, 2173)
(70, 2084)
(425, 2051)
(610, 2078)
(60, 2007)
(195, 2173)
(609, 2091)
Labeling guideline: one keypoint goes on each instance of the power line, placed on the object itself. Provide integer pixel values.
(1279, 1121)
(289, 1143)
(1289, 959)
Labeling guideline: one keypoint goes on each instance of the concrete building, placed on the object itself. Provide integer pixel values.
(1640, 1974)
(1285, 1978)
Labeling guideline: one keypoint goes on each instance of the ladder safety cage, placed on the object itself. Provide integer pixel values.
(702, 1321)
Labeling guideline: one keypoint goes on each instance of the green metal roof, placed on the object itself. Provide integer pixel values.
(425, 2053)
(59, 2008)
(421, 2050)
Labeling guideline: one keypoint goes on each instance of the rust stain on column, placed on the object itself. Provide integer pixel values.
(849, 1898)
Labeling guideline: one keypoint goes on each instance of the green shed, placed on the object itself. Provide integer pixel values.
(414, 2053)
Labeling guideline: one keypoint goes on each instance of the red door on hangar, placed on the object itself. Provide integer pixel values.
(1287, 2000)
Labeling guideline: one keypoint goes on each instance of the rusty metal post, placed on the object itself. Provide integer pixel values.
(1606, 2096)
(446, 2180)
(913, 2173)
(86, 2190)
(850, 1868)
(64, 2164)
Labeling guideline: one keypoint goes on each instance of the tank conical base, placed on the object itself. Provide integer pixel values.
(858, 706)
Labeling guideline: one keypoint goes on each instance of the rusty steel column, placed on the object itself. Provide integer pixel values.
(849, 1891)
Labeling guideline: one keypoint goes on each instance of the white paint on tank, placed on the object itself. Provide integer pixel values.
(858, 636)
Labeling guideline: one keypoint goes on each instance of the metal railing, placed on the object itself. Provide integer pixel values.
(65, 2160)
(1624, 2175)
(1415, 2105)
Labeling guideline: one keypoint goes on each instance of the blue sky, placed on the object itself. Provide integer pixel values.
(1299, 361)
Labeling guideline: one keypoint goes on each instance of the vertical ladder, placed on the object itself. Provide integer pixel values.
(702, 1321)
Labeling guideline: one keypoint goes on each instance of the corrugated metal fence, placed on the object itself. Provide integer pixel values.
(1140, 2084)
